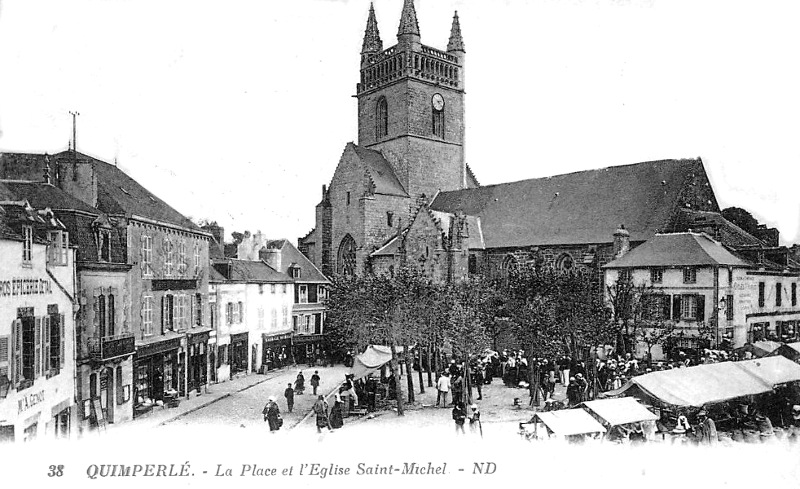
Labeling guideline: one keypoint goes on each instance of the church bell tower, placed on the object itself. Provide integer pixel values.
(411, 105)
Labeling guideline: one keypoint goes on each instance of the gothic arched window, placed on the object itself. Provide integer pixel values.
(509, 263)
(346, 258)
(565, 262)
(381, 118)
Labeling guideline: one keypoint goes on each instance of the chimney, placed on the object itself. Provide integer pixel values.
(622, 241)
(272, 257)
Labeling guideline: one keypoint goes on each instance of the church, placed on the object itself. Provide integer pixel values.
(403, 195)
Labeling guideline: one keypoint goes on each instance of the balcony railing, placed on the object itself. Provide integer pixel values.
(109, 347)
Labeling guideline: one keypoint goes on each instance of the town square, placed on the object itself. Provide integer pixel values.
(352, 225)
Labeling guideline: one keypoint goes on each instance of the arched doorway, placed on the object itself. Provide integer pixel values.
(346, 258)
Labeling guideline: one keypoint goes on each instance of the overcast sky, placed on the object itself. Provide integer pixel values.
(238, 111)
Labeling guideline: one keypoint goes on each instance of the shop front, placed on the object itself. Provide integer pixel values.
(238, 352)
(197, 347)
(157, 373)
(277, 349)
(308, 349)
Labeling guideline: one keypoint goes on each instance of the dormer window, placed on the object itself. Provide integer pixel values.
(27, 243)
(58, 248)
(294, 271)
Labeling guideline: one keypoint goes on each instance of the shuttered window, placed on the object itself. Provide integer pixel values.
(5, 359)
(61, 329)
(46, 345)
(37, 359)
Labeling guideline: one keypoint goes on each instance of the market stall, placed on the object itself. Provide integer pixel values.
(713, 383)
(623, 418)
(758, 349)
(789, 350)
(572, 425)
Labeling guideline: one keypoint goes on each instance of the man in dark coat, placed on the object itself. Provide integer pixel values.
(289, 395)
(479, 379)
(457, 386)
(459, 416)
(315, 381)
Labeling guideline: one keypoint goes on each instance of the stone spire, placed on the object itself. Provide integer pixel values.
(408, 21)
(372, 38)
(456, 42)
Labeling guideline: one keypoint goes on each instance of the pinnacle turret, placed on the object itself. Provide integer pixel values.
(372, 38)
(408, 20)
(456, 42)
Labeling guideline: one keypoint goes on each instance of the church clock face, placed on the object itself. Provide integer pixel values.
(437, 101)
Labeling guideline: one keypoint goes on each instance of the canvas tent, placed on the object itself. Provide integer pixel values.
(567, 422)
(759, 348)
(712, 383)
(789, 350)
(622, 417)
(614, 412)
(373, 358)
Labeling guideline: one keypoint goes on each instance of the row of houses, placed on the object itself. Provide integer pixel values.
(112, 302)
(709, 289)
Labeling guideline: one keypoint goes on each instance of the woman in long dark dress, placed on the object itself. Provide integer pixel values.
(273, 415)
(336, 420)
(300, 384)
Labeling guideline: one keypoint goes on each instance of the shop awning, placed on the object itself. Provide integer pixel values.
(373, 358)
(569, 422)
(616, 412)
(712, 383)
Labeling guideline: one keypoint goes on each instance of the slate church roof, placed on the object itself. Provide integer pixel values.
(577, 208)
(380, 171)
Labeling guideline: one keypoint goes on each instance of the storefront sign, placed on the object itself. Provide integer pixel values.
(29, 400)
(149, 349)
(25, 286)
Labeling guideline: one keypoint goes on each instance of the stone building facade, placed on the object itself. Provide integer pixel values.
(161, 304)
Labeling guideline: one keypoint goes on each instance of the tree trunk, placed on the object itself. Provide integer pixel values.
(467, 384)
(409, 373)
(421, 380)
(397, 380)
(430, 365)
(533, 374)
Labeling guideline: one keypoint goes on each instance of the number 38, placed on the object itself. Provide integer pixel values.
(56, 471)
